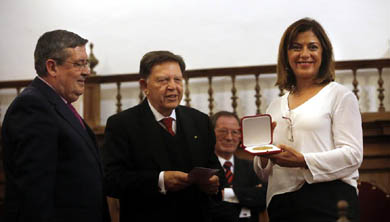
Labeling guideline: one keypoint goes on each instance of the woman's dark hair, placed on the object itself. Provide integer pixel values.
(285, 75)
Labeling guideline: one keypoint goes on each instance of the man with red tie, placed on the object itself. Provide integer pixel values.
(243, 195)
(51, 161)
(150, 149)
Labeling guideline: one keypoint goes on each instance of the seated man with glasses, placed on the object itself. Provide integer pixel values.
(243, 195)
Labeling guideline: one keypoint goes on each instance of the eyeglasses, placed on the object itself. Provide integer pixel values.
(80, 65)
(290, 128)
(225, 132)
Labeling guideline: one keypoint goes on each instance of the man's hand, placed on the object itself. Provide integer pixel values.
(175, 180)
(210, 186)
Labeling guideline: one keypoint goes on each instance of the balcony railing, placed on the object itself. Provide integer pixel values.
(91, 99)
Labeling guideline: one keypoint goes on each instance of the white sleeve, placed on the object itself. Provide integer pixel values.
(263, 174)
(260, 172)
(161, 183)
(347, 156)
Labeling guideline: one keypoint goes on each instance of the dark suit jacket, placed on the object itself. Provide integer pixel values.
(245, 188)
(134, 155)
(52, 165)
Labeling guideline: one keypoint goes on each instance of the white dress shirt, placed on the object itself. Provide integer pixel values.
(158, 116)
(228, 193)
(327, 130)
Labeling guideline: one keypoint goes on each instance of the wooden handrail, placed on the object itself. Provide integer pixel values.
(14, 84)
(243, 70)
(227, 71)
(92, 94)
(363, 64)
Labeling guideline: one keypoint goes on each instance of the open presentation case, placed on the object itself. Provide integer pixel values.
(256, 134)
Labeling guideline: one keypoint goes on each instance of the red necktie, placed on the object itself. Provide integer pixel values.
(76, 114)
(168, 124)
(228, 172)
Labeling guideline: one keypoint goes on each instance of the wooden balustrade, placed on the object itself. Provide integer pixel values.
(92, 92)
(256, 71)
(210, 91)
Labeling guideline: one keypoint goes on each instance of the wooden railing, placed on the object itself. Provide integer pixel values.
(233, 72)
(92, 93)
(91, 100)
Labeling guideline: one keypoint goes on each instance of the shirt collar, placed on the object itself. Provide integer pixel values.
(158, 116)
(222, 160)
(43, 80)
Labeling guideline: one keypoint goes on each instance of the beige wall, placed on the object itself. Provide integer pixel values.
(218, 33)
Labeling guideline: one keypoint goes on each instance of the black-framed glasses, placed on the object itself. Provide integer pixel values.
(225, 132)
(290, 134)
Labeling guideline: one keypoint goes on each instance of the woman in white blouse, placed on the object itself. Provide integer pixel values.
(318, 128)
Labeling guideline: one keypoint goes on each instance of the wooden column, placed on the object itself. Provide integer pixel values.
(187, 92)
(92, 104)
(118, 97)
(211, 99)
(355, 84)
(234, 96)
(381, 96)
(91, 100)
(257, 94)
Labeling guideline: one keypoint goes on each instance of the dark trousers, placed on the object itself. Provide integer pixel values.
(314, 203)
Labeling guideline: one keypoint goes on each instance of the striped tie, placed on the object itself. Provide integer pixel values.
(228, 172)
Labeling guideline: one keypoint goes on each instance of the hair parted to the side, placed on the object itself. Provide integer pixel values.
(150, 59)
(53, 45)
(214, 118)
(285, 75)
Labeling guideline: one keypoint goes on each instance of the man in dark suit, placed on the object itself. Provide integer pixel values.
(51, 161)
(244, 196)
(147, 163)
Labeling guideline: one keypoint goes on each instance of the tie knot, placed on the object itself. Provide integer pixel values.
(168, 124)
(227, 164)
(167, 121)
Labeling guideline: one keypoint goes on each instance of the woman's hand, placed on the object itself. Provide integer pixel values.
(289, 157)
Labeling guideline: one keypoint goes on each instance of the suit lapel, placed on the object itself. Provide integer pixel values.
(238, 172)
(65, 113)
(151, 127)
(68, 115)
(191, 136)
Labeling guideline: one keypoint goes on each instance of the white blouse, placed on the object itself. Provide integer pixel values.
(327, 130)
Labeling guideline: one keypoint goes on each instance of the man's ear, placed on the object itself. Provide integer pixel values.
(144, 88)
(51, 67)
